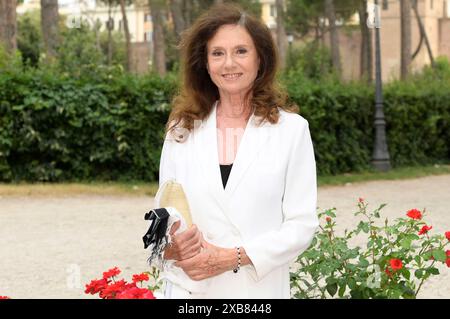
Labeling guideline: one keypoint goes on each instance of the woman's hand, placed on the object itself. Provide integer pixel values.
(184, 245)
(210, 262)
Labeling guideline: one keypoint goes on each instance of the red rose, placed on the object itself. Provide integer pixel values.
(4, 297)
(414, 214)
(96, 286)
(140, 278)
(447, 235)
(111, 273)
(136, 293)
(447, 252)
(396, 264)
(361, 200)
(447, 261)
(328, 219)
(425, 229)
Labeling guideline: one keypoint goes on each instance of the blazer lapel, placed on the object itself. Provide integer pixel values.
(254, 138)
(206, 150)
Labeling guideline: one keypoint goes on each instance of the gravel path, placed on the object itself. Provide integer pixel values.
(51, 247)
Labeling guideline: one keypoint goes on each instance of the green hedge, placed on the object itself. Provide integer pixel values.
(109, 127)
(56, 128)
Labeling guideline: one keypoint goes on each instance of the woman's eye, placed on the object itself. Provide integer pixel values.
(217, 53)
(241, 51)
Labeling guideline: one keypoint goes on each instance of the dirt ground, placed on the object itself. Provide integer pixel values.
(50, 247)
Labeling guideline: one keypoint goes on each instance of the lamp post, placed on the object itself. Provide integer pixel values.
(290, 39)
(380, 156)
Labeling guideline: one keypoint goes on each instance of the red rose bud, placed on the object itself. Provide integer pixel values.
(361, 200)
(447, 235)
(4, 297)
(447, 252)
(414, 214)
(396, 264)
(328, 219)
(425, 229)
(388, 272)
(447, 262)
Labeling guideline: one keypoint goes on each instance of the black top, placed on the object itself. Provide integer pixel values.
(225, 172)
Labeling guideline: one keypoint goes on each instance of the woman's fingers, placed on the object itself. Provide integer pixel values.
(186, 244)
(175, 227)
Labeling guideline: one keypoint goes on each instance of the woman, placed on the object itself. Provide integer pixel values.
(245, 160)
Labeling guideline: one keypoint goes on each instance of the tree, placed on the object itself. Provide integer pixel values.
(127, 35)
(334, 37)
(176, 9)
(423, 35)
(159, 55)
(366, 43)
(405, 29)
(49, 26)
(109, 27)
(8, 24)
(281, 33)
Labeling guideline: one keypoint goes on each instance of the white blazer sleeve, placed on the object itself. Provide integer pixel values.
(278, 247)
(167, 164)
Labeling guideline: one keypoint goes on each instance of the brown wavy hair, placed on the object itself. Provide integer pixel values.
(198, 92)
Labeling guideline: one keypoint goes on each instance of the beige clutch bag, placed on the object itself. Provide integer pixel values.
(172, 194)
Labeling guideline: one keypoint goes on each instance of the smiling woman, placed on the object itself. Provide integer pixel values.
(251, 221)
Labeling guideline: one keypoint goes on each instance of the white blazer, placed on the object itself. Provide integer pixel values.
(268, 205)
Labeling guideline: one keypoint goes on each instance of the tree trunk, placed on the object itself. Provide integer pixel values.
(159, 55)
(8, 24)
(127, 36)
(109, 26)
(50, 26)
(281, 33)
(188, 8)
(366, 43)
(334, 37)
(176, 8)
(405, 29)
(423, 33)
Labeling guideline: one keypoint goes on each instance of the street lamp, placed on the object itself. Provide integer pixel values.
(290, 39)
(380, 156)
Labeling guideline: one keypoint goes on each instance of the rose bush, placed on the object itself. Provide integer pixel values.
(108, 287)
(394, 263)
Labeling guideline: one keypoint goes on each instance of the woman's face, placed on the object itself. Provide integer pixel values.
(232, 60)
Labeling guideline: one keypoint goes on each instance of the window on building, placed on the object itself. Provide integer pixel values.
(273, 10)
(385, 5)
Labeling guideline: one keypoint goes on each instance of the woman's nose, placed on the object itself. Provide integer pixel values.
(229, 60)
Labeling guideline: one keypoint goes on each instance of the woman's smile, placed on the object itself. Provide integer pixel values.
(232, 76)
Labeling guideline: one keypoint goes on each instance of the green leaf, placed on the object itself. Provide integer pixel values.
(439, 255)
(351, 283)
(406, 273)
(433, 271)
(405, 243)
(342, 290)
(332, 289)
(419, 273)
